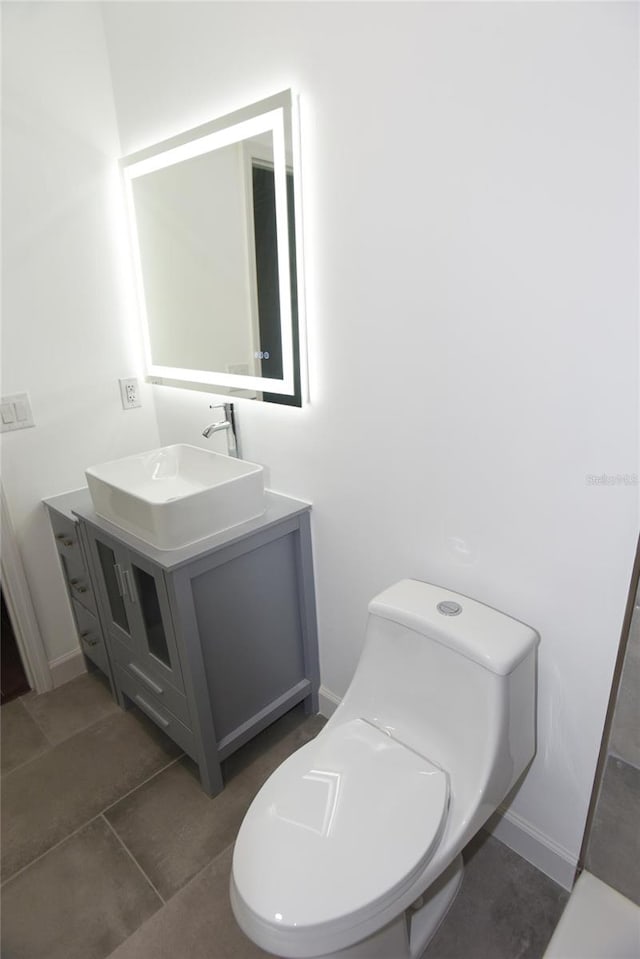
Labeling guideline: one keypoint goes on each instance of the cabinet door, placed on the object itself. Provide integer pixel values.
(137, 609)
(150, 617)
(112, 563)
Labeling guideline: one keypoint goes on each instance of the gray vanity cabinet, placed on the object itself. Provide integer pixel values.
(72, 549)
(213, 641)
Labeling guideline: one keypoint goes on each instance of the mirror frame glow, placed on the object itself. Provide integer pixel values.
(267, 116)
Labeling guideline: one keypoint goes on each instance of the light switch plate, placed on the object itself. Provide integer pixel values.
(15, 412)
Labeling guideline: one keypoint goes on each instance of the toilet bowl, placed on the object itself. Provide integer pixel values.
(352, 847)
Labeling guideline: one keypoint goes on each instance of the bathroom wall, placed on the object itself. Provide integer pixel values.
(470, 204)
(67, 330)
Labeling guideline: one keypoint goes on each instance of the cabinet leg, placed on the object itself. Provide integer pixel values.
(312, 704)
(211, 777)
(123, 701)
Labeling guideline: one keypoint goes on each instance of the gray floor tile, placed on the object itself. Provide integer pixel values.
(79, 901)
(171, 847)
(613, 853)
(91, 898)
(196, 924)
(22, 740)
(57, 792)
(505, 909)
(262, 755)
(173, 829)
(625, 732)
(67, 710)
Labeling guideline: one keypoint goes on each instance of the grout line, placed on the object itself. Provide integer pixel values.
(35, 722)
(87, 822)
(132, 858)
(622, 759)
(61, 742)
(47, 851)
(14, 769)
(143, 783)
(202, 869)
(50, 743)
(76, 732)
(38, 725)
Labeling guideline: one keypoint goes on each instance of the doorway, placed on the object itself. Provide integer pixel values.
(13, 678)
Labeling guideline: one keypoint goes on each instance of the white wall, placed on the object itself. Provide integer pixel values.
(469, 188)
(66, 301)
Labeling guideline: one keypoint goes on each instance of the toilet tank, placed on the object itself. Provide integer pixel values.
(451, 678)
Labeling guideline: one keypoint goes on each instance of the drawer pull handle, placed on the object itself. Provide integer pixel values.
(128, 585)
(89, 640)
(64, 539)
(158, 690)
(77, 585)
(151, 712)
(118, 571)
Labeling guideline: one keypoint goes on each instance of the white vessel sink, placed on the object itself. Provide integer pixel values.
(176, 495)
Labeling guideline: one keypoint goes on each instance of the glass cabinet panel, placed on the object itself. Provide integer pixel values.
(152, 615)
(113, 586)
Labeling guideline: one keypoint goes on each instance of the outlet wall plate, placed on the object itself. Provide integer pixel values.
(130, 393)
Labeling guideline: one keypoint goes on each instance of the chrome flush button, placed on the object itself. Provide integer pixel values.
(449, 608)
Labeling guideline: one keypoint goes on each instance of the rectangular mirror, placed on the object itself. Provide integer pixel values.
(212, 214)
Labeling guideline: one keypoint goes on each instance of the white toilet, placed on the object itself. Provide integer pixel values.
(352, 847)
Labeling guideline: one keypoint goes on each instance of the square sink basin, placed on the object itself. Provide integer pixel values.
(176, 495)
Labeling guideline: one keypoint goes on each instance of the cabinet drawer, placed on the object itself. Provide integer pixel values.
(68, 543)
(156, 710)
(72, 560)
(81, 592)
(149, 680)
(90, 636)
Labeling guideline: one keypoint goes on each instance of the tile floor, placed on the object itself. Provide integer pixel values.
(111, 849)
(613, 854)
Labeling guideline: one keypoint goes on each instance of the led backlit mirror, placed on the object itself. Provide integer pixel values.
(213, 224)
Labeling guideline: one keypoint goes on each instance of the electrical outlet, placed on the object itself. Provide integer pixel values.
(130, 393)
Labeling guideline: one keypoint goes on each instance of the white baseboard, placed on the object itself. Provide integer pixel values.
(328, 702)
(67, 667)
(515, 832)
(527, 841)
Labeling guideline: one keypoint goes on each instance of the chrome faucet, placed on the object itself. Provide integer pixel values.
(228, 424)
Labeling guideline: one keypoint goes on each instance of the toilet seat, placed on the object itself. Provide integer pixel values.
(338, 832)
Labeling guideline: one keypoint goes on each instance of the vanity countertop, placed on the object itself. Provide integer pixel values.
(78, 503)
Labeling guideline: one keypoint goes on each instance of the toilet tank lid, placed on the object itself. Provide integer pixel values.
(488, 637)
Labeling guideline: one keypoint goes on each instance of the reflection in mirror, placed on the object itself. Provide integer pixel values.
(213, 222)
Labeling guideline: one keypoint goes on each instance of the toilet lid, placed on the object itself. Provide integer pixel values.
(344, 826)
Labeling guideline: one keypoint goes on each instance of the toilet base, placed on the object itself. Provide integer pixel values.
(408, 936)
(425, 921)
